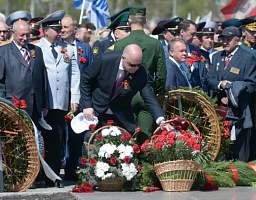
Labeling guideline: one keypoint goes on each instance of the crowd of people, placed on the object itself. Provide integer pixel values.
(117, 72)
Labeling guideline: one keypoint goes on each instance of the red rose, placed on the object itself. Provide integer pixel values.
(139, 167)
(92, 126)
(112, 160)
(110, 122)
(82, 60)
(126, 136)
(127, 160)
(83, 161)
(136, 148)
(68, 118)
(99, 137)
(87, 185)
(93, 161)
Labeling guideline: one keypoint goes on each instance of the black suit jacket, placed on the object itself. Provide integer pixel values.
(28, 83)
(97, 84)
(175, 78)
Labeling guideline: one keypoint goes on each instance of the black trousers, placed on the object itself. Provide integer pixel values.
(75, 143)
(52, 140)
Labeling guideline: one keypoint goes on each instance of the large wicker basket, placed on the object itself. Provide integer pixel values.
(176, 176)
(110, 184)
(198, 110)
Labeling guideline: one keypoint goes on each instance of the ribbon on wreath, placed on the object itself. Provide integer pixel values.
(235, 173)
(253, 166)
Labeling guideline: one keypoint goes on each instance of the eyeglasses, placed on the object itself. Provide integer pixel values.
(134, 65)
(3, 31)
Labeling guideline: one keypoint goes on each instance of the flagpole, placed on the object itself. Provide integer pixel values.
(82, 12)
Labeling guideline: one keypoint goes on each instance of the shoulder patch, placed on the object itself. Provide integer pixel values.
(95, 50)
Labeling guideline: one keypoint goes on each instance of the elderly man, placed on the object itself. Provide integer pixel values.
(4, 33)
(233, 74)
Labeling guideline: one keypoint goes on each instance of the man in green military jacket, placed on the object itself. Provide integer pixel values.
(249, 34)
(153, 60)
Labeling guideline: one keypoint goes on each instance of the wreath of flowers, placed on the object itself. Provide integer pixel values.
(113, 154)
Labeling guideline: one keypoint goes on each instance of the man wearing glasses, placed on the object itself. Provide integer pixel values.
(63, 77)
(249, 34)
(109, 84)
(4, 32)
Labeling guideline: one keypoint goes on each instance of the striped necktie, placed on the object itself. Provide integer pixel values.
(26, 55)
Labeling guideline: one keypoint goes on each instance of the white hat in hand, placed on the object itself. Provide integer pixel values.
(79, 124)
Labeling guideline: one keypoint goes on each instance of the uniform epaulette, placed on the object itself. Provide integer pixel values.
(34, 41)
(111, 48)
(5, 42)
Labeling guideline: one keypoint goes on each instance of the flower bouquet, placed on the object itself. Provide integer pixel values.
(111, 158)
(176, 154)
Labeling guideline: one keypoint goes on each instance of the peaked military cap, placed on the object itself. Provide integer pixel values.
(231, 22)
(138, 10)
(159, 27)
(121, 22)
(249, 23)
(200, 26)
(208, 31)
(172, 25)
(211, 24)
(53, 20)
(20, 14)
(113, 17)
(35, 26)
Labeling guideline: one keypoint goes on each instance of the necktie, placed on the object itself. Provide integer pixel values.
(54, 52)
(227, 60)
(119, 81)
(26, 55)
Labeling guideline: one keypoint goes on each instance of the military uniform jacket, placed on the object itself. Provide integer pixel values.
(252, 50)
(153, 56)
(97, 83)
(22, 80)
(63, 75)
(100, 46)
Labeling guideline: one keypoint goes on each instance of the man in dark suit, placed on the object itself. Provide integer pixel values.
(176, 77)
(24, 77)
(84, 57)
(102, 97)
(235, 65)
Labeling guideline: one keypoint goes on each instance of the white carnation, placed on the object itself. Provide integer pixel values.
(128, 170)
(114, 131)
(106, 150)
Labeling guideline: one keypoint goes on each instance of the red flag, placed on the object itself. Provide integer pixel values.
(239, 9)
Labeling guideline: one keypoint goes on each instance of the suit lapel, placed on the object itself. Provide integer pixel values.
(220, 65)
(31, 48)
(113, 74)
(16, 52)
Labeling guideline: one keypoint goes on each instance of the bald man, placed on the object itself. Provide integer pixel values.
(22, 71)
(102, 96)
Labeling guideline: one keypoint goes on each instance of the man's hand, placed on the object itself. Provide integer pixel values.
(74, 107)
(88, 113)
(166, 126)
(223, 84)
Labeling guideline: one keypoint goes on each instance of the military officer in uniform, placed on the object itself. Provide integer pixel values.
(249, 34)
(35, 26)
(153, 60)
(119, 29)
(63, 77)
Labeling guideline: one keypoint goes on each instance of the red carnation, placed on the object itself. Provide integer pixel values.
(159, 145)
(126, 136)
(23, 104)
(127, 160)
(136, 148)
(99, 137)
(197, 147)
(82, 60)
(138, 129)
(83, 161)
(92, 126)
(139, 167)
(112, 160)
(93, 161)
(68, 118)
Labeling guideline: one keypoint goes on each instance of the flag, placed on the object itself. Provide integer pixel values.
(207, 17)
(239, 9)
(97, 11)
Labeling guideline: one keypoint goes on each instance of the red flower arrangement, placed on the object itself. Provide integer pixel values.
(181, 143)
(80, 52)
(226, 129)
(86, 187)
